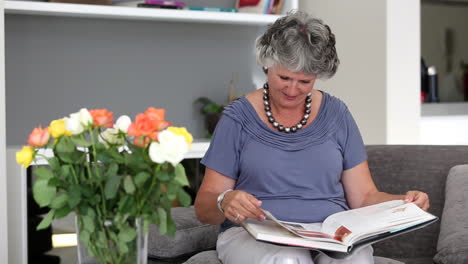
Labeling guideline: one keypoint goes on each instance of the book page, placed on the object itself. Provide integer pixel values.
(352, 225)
(311, 231)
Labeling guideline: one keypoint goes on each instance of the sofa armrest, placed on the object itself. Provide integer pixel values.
(191, 237)
(452, 246)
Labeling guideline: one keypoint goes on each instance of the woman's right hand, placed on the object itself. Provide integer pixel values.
(239, 205)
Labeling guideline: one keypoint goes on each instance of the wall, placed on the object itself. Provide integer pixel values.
(365, 32)
(56, 65)
(435, 19)
(403, 72)
(3, 178)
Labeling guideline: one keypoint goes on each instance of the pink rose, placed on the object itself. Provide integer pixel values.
(39, 137)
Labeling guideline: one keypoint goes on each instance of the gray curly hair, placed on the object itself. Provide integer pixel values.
(300, 43)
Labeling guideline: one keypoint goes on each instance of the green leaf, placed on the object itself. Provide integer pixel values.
(129, 186)
(112, 186)
(43, 193)
(91, 213)
(184, 199)
(171, 227)
(55, 182)
(162, 220)
(54, 163)
(164, 175)
(65, 171)
(46, 221)
(171, 191)
(59, 201)
(127, 234)
(84, 236)
(62, 212)
(141, 178)
(117, 156)
(86, 191)
(123, 204)
(74, 196)
(123, 247)
(43, 173)
(112, 170)
(88, 223)
(79, 141)
(180, 176)
(101, 239)
(212, 108)
(64, 146)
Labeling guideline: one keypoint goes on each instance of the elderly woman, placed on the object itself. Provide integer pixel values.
(287, 148)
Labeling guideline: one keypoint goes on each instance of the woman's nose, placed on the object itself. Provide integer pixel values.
(292, 88)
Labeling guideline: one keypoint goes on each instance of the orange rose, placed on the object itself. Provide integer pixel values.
(148, 123)
(141, 142)
(39, 137)
(102, 117)
(155, 114)
(143, 126)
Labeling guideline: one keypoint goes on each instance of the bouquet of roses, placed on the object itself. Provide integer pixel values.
(110, 174)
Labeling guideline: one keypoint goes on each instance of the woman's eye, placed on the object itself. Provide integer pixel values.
(305, 81)
(284, 78)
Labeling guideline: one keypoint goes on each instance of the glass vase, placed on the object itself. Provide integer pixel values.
(109, 244)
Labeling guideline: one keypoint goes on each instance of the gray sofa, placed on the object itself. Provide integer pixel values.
(394, 169)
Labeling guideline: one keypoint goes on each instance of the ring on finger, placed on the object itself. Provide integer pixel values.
(237, 217)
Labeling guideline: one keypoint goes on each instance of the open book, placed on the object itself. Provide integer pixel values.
(342, 233)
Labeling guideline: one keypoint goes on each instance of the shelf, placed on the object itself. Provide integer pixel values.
(444, 109)
(134, 13)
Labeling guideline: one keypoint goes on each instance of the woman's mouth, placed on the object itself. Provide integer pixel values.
(290, 98)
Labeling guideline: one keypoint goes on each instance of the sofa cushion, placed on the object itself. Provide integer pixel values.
(191, 236)
(452, 246)
(211, 257)
(206, 257)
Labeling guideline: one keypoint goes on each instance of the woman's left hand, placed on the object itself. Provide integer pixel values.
(421, 199)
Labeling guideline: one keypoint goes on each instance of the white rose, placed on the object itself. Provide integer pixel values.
(77, 122)
(122, 123)
(111, 136)
(85, 117)
(170, 148)
(73, 125)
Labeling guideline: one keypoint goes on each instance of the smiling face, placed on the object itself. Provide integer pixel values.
(289, 89)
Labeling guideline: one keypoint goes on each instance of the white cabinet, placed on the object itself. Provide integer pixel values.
(61, 57)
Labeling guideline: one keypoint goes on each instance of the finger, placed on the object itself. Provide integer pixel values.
(236, 206)
(426, 206)
(253, 207)
(252, 211)
(409, 197)
(245, 204)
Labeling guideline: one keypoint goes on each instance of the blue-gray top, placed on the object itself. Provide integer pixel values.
(297, 176)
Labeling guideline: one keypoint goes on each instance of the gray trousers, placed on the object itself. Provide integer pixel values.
(236, 246)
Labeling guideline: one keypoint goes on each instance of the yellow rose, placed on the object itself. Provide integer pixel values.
(25, 156)
(182, 131)
(57, 128)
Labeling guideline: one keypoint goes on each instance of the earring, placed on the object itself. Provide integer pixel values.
(265, 70)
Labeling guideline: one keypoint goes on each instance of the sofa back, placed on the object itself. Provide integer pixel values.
(399, 168)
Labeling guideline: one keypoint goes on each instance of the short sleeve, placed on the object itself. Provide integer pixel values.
(350, 140)
(224, 151)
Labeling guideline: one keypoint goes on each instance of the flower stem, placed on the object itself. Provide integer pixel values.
(93, 145)
(150, 190)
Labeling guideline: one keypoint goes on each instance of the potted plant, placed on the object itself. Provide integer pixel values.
(117, 177)
(212, 111)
